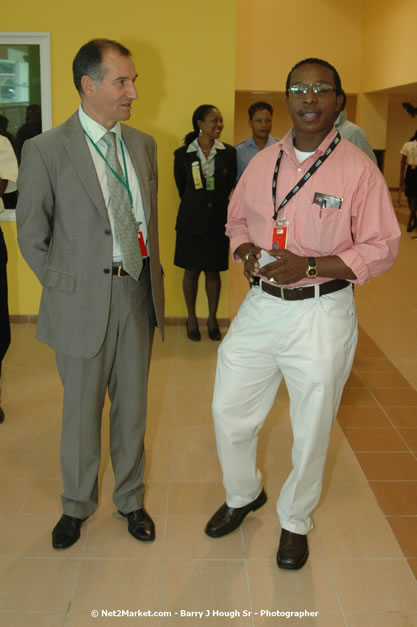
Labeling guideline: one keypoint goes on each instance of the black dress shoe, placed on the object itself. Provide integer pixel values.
(140, 525)
(227, 519)
(1, 415)
(193, 334)
(214, 334)
(66, 532)
(293, 550)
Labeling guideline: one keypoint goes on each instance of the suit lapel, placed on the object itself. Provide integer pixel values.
(79, 153)
(137, 156)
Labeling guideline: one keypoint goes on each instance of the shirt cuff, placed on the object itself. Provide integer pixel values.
(357, 265)
(235, 242)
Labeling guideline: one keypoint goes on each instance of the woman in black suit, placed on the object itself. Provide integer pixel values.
(205, 173)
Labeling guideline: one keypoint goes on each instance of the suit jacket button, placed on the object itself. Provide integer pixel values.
(210, 204)
(108, 231)
(106, 271)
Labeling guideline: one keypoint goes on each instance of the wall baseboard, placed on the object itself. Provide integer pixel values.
(173, 321)
(170, 321)
(23, 318)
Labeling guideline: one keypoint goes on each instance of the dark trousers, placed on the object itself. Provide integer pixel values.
(4, 308)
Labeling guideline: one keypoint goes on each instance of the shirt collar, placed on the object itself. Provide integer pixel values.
(193, 147)
(95, 130)
(287, 142)
(251, 142)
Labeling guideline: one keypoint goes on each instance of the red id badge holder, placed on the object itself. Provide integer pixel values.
(142, 244)
(280, 234)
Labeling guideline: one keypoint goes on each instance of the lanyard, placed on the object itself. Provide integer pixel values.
(303, 180)
(125, 183)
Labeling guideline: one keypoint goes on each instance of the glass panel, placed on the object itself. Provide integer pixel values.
(25, 93)
(20, 93)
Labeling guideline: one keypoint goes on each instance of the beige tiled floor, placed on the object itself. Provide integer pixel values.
(363, 547)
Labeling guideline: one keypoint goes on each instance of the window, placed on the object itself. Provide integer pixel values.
(25, 92)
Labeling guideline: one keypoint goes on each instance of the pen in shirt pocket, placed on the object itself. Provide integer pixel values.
(325, 201)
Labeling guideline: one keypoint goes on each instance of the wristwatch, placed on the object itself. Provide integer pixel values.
(312, 270)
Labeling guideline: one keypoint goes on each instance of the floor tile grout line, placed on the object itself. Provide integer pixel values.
(381, 407)
(333, 582)
(76, 578)
(246, 565)
(171, 431)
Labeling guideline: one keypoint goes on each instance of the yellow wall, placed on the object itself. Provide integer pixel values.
(185, 55)
(372, 115)
(401, 127)
(389, 44)
(272, 35)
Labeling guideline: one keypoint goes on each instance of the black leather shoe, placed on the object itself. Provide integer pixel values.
(193, 334)
(140, 525)
(227, 519)
(1, 415)
(214, 334)
(293, 550)
(66, 532)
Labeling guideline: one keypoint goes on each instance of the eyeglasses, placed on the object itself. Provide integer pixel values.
(301, 89)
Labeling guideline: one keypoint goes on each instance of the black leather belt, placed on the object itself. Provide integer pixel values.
(301, 293)
(118, 269)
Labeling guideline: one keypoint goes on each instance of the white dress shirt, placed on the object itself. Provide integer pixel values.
(96, 132)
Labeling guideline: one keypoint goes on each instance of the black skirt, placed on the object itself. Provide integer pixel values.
(208, 252)
(411, 181)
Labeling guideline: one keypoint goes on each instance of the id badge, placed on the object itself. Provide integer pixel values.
(210, 183)
(142, 244)
(196, 175)
(280, 234)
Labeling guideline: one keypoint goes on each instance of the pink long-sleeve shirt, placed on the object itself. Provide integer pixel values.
(363, 232)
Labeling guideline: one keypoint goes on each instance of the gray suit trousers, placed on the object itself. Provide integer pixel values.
(122, 366)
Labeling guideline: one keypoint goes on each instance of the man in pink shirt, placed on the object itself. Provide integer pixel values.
(323, 212)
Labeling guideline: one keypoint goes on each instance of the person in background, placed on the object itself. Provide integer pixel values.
(205, 173)
(260, 121)
(31, 127)
(4, 125)
(88, 227)
(310, 217)
(409, 181)
(8, 177)
(352, 131)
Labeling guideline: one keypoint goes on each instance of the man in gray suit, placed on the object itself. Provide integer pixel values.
(87, 226)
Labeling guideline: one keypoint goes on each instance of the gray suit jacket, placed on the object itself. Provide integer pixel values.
(64, 234)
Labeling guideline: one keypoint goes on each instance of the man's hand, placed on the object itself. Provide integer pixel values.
(288, 268)
(250, 256)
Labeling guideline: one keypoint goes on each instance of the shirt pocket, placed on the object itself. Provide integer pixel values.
(322, 228)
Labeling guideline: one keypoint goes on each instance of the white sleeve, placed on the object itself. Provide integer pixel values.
(8, 164)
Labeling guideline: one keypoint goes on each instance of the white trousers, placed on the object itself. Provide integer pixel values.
(311, 343)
